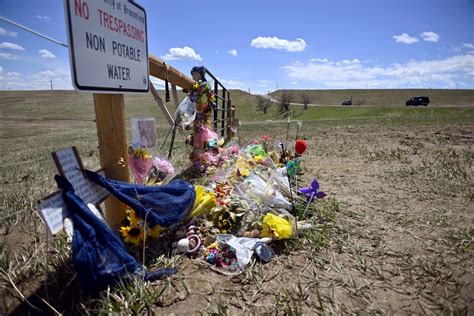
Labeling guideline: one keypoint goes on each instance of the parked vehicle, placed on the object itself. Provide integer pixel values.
(347, 102)
(418, 101)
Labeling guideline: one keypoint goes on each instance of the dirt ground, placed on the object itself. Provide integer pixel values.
(400, 241)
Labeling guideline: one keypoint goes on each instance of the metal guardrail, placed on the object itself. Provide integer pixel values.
(220, 122)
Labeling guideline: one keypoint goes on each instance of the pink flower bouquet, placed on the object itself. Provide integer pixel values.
(140, 163)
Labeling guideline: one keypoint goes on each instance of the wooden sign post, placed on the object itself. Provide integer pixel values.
(109, 59)
(111, 132)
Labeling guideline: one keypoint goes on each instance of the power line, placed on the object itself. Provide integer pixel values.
(45, 37)
(32, 31)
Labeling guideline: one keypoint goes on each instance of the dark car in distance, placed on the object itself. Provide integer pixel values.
(418, 101)
(347, 102)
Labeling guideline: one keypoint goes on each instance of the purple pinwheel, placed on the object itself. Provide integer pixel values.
(312, 191)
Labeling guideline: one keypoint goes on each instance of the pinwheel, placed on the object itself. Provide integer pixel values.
(312, 192)
(292, 167)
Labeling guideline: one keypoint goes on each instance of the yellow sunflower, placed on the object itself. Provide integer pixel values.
(133, 218)
(155, 231)
(132, 234)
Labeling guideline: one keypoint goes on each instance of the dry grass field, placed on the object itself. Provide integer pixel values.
(394, 236)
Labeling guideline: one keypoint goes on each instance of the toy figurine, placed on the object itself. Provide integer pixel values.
(204, 138)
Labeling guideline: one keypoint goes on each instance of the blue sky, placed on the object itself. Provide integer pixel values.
(259, 44)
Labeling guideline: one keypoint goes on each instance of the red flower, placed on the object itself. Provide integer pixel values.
(300, 146)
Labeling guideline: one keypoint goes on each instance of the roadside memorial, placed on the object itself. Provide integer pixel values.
(240, 208)
(244, 203)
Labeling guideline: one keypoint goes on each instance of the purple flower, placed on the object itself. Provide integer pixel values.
(163, 165)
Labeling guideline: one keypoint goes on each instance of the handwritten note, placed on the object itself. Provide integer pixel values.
(54, 211)
(68, 165)
(52, 208)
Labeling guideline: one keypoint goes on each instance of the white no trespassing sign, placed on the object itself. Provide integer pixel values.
(108, 46)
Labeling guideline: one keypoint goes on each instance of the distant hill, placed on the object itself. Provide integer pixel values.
(71, 104)
(384, 97)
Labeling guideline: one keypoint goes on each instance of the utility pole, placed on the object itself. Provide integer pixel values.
(51, 82)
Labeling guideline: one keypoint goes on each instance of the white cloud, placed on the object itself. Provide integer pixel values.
(404, 38)
(12, 74)
(468, 45)
(232, 52)
(61, 78)
(297, 45)
(426, 73)
(350, 62)
(8, 56)
(233, 84)
(430, 36)
(7, 33)
(46, 53)
(294, 83)
(320, 60)
(12, 46)
(43, 18)
(45, 73)
(263, 83)
(182, 53)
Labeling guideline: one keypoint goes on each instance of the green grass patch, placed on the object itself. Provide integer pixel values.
(411, 113)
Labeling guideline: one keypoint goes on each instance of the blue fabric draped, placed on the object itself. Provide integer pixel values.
(99, 255)
(164, 205)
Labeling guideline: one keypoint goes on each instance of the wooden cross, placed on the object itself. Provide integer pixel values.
(52, 207)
